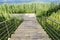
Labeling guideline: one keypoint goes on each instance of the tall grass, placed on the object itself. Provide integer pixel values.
(38, 8)
(8, 24)
(51, 22)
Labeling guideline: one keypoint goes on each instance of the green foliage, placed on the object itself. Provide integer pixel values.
(55, 17)
(51, 11)
(50, 21)
(12, 25)
(6, 20)
(26, 8)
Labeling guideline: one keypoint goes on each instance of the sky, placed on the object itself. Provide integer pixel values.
(26, 1)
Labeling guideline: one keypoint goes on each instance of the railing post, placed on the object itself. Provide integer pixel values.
(15, 23)
(7, 29)
(44, 19)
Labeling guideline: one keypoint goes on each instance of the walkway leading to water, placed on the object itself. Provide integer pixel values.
(30, 30)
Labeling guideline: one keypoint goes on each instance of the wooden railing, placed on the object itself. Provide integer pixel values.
(51, 28)
(8, 27)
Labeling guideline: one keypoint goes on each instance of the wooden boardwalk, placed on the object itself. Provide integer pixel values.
(30, 30)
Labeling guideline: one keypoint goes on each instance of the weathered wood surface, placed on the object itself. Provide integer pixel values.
(30, 30)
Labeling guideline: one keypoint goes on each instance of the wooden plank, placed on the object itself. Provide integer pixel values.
(30, 30)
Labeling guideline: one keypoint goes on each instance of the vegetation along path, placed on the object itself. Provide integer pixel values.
(30, 29)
